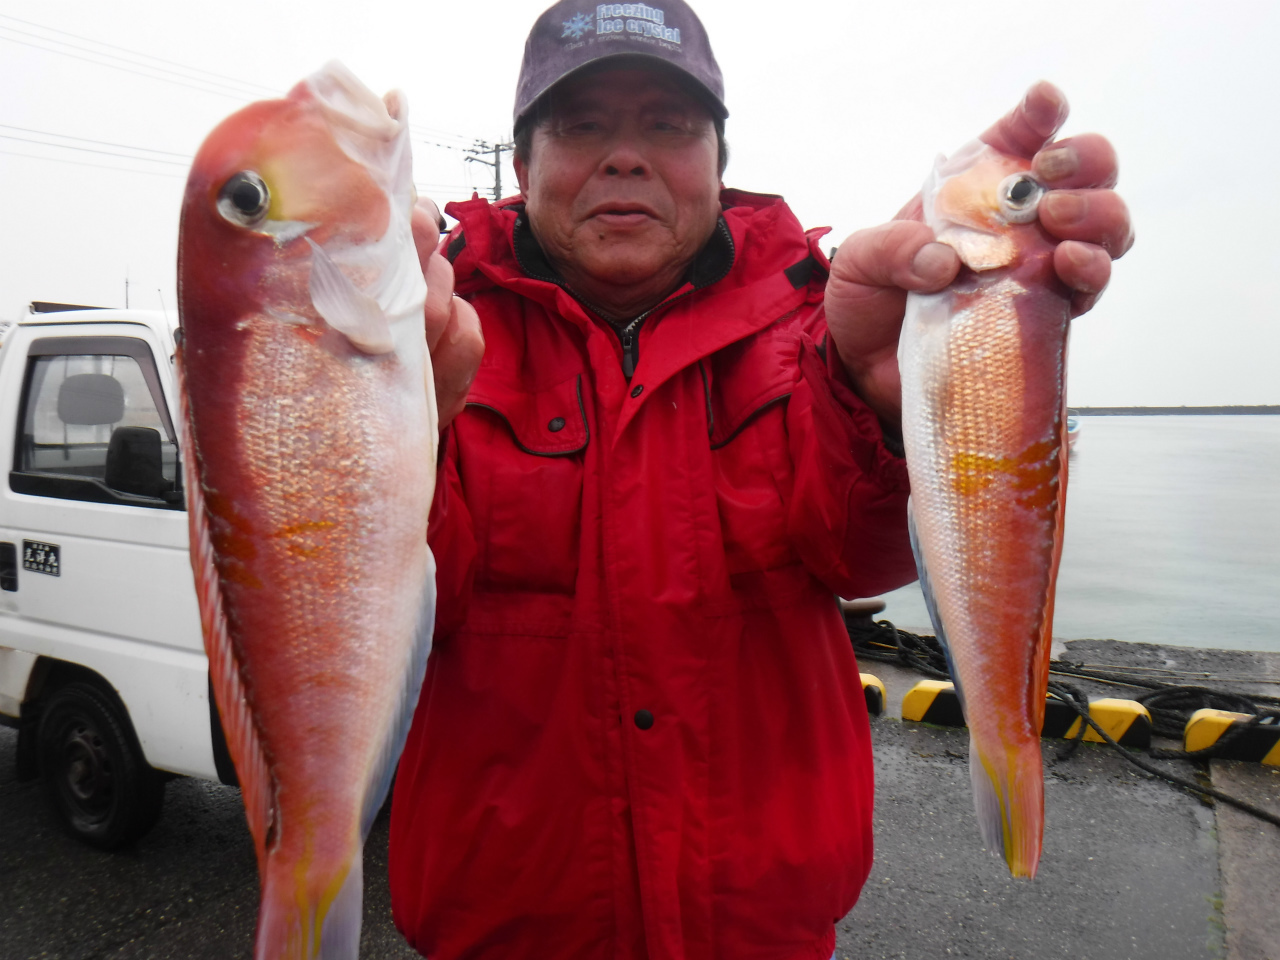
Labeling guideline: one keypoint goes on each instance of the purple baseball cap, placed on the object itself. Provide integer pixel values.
(575, 33)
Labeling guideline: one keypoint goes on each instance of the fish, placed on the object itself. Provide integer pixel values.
(310, 433)
(983, 367)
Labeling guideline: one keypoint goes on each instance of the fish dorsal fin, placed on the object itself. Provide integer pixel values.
(930, 601)
(243, 742)
(346, 307)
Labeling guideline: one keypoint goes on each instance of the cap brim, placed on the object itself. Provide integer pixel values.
(648, 60)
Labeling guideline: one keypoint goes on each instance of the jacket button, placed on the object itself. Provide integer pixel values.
(644, 719)
(556, 424)
(639, 389)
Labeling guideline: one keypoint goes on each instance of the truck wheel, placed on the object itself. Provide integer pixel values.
(95, 776)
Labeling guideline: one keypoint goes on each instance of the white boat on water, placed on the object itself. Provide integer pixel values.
(1073, 432)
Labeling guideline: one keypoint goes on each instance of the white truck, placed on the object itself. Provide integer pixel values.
(102, 666)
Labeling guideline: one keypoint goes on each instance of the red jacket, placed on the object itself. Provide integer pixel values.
(642, 732)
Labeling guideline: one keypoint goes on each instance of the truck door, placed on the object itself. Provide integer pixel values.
(97, 572)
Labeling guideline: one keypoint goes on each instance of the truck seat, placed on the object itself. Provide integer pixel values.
(91, 399)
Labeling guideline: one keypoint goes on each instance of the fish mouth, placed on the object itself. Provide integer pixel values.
(371, 130)
(347, 103)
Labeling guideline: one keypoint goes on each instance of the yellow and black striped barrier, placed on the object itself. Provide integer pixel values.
(1206, 727)
(873, 691)
(1126, 721)
(933, 701)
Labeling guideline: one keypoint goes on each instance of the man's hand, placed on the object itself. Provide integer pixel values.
(874, 269)
(453, 328)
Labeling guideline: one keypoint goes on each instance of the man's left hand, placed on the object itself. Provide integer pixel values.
(874, 269)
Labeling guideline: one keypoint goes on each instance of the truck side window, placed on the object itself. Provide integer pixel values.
(92, 429)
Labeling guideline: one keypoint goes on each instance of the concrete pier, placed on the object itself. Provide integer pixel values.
(1133, 868)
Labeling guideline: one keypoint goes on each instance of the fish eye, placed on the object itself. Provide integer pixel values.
(244, 199)
(1019, 196)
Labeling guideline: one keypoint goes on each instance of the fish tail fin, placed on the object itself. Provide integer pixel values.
(1008, 797)
(295, 923)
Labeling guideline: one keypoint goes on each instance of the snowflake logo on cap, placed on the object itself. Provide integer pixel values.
(576, 27)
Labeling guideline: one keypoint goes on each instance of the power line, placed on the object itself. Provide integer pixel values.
(137, 53)
(186, 157)
(182, 160)
(423, 133)
(99, 166)
(211, 82)
(109, 153)
(150, 76)
(416, 133)
(428, 135)
(434, 143)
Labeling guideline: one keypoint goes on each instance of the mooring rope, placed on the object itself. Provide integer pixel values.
(1170, 704)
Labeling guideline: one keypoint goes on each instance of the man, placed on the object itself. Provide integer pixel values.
(642, 733)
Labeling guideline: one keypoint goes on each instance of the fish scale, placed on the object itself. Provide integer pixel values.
(983, 372)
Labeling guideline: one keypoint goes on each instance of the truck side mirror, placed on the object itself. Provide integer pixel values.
(134, 464)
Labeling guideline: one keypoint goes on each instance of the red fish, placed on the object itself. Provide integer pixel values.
(310, 447)
(984, 424)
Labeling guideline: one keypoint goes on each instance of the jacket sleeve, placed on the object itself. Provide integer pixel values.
(848, 512)
(451, 536)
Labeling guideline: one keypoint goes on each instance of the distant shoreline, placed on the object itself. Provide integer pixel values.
(1272, 409)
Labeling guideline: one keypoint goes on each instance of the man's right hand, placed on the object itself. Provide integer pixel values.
(453, 327)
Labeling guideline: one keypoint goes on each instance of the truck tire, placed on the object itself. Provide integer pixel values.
(95, 776)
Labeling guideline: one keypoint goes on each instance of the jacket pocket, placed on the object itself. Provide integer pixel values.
(521, 463)
(751, 463)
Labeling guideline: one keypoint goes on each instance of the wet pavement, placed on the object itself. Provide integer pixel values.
(1129, 869)
(1133, 868)
(188, 890)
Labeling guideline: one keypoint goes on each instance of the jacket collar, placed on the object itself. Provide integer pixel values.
(774, 268)
(493, 244)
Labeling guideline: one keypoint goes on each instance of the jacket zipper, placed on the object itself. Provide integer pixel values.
(629, 336)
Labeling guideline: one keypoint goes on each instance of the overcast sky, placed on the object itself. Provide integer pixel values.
(838, 106)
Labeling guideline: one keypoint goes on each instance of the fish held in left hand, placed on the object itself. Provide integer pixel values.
(310, 442)
(984, 426)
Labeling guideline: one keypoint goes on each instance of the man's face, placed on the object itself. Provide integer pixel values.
(621, 185)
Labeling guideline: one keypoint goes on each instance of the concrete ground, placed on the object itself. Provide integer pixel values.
(187, 891)
(1133, 868)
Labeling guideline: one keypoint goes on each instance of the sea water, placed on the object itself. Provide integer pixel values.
(1172, 534)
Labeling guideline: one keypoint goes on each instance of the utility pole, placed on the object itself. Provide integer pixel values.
(477, 155)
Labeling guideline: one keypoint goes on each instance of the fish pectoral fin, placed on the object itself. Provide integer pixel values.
(978, 249)
(346, 307)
